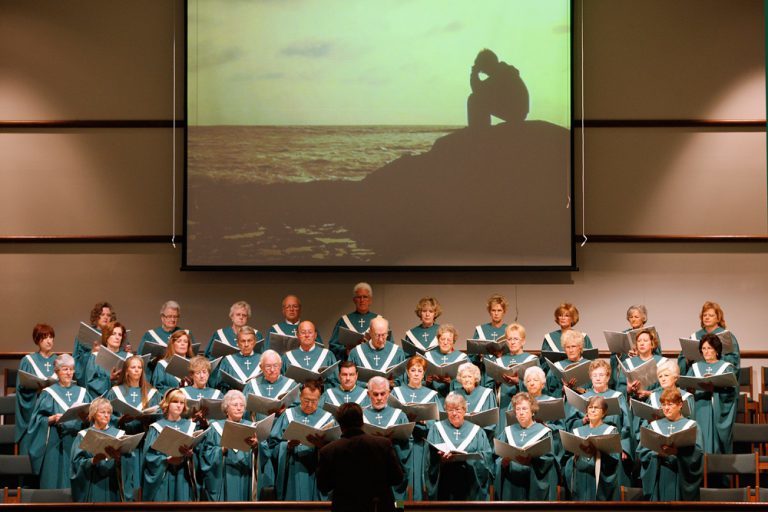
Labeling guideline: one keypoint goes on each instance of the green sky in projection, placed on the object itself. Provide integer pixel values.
(368, 62)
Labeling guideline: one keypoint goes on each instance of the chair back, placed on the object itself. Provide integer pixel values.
(46, 495)
(739, 494)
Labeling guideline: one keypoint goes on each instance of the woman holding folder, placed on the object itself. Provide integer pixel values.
(170, 477)
(97, 380)
(511, 384)
(99, 477)
(594, 475)
(179, 344)
(445, 353)
(712, 321)
(526, 477)
(672, 472)
(227, 473)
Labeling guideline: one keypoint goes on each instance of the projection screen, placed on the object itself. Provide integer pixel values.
(379, 134)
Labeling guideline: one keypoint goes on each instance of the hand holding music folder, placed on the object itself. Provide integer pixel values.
(395, 432)
(171, 440)
(655, 441)
(234, 435)
(265, 405)
(530, 449)
(97, 442)
(605, 443)
(300, 432)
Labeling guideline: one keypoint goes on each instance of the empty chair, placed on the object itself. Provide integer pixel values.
(9, 377)
(15, 471)
(46, 495)
(633, 494)
(737, 464)
(732, 494)
(747, 407)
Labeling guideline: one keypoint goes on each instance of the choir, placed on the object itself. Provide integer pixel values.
(164, 424)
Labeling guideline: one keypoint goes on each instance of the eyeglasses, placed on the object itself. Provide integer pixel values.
(272, 366)
(172, 317)
(362, 297)
(309, 401)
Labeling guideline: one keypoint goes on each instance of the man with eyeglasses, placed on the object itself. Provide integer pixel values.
(296, 464)
(310, 355)
(170, 313)
(358, 320)
(270, 384)
(378, 353)
(291, 308)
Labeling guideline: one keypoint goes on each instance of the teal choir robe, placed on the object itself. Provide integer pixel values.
(286, 328)
(507, 391)
(417, 459)
(260, 386)
(423, 338)
(588, 480)
(296, 468)
(364, 355)
(224, 477)
(337, 396)
(80, 353)
(353, 321)
(618, 380)
(93, 483)
(458, 481)
(41, 367)
(677, 477)
(162, 380)
(134, 465)
(164, 481)
(50, 449)
(481, 399)
(313, 359)
(227, 336)
(632, 363)
(553, 343)
(439, 358)
(96, 378)
(534, 482)
(715, 412)
(733, 357)
(387, 417)
(554, 385)
(242, 368)
(486, 331)
(554, 426)
(160, 336)
(193, 393)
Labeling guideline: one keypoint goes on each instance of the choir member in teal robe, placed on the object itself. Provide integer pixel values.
(715, 408)
(102, 314)
(380, 414)
(414, 392)
(566, 317)
(170, 313)
(134, 390)
(423, 337)
(95, 476)
(227, 474)
(712, 320)
(40, 364)
(50, 449)
(497, 306)
(310, 355)
(668, 372)
(199, 373)
(478, 398)
(573, 346)
(270, 384)
(348, 390)
(166, 477)
(296, 463)
(179, 344)
(239, 314)
(588, 480)
(512, 384)
(378, 353)
(526, 478)
(242, 366)
(358, 320)
(291, 308)
(446, 477)
(97, 380)
(637, 316)
(445, 354)
(676, 473)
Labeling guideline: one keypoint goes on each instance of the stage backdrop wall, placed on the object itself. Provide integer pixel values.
(112, 61)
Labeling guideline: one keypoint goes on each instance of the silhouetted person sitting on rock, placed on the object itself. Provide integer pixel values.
(502, 94)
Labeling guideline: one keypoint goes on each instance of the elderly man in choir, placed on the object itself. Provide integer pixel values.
(271, 384)
(310, 355)
(358, 320)
(347, 391)
(170, 313)
(447, 475)
(297, 463)
(377, 353)
(236, 370)
(291, 308)
(381, 415)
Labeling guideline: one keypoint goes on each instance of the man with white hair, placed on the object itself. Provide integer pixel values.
(358, 320)
(377, 353)
(170, 313)
(382, 415)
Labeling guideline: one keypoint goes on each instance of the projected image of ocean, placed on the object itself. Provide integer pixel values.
(299, 154)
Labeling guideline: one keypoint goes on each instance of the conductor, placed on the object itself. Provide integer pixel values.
(359, 468)
(502, 93)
